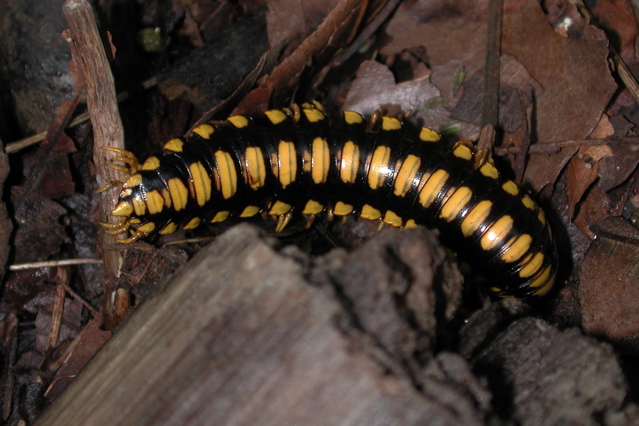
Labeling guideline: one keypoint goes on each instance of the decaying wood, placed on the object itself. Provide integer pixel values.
(240, 336)
(557, 377)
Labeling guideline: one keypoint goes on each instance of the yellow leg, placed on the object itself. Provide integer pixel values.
(112, 184)
(282, 221)
(126, 157)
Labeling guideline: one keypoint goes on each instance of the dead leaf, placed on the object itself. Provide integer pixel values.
(582, 171)
(607, 290)
(603, 129)
(569, 70)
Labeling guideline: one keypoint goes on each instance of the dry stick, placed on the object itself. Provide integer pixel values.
(52, 264)
(490, 101)
(91, 59)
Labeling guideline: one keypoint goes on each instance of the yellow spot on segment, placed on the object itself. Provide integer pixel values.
(179, 193)
(454, 205)
(489, 170)
(193, 223)
(528, 202)
(391, 123)
(238, 121)
(313, 115)
(126, 192)
(154, 202)
(433, 186)
(228, 174)
(256, 167)
(151, 163)
(287, 163)
(201, 183)
(174, 145)
(135, 221)
(545, 281)
(124, 208)
(312, 207)
(475, 217)
(204, 131)
(351, 117)
(139, 206)
(533, 266)
(320, 160)
(349, 162)
(410, 223)
(220, 216)
(429, 135)
(133, 181)
(391, 218)
(510, 187)
(167, 197)
(276, 116)
(370, 212)
(517, 248)
(342, 209)
(541, 216)
(250, 211)
(497, 232)
(147, 228)
(463, 152)
(170, 228)
(279, 208)
(379, 166)
(406, 175)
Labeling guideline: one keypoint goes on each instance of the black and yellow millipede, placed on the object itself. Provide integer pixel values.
(295, 160)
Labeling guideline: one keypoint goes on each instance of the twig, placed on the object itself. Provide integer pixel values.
(52, 264)
(490, 101)
(91, 59)
(58, 310)
(80, 299)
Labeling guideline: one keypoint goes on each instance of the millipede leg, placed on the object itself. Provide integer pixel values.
(112, 184)
(126, 157)
(282, 221)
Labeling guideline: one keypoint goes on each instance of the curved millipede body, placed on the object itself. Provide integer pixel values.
(293, 160)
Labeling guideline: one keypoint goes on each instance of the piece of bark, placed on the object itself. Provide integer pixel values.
(541, 375)
(402, 290)
(238, 336)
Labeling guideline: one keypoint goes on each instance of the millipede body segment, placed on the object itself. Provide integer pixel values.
(294, 160)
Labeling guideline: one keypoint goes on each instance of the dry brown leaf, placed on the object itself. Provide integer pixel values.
(570, 70)
(603, 129)
(582, 171)
(608, 292)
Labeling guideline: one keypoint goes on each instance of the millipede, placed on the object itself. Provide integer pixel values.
(297, 160)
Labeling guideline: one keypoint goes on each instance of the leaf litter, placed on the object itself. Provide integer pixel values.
(558, 92)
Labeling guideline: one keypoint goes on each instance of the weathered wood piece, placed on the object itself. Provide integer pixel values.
(239, 336)
(539, 374)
